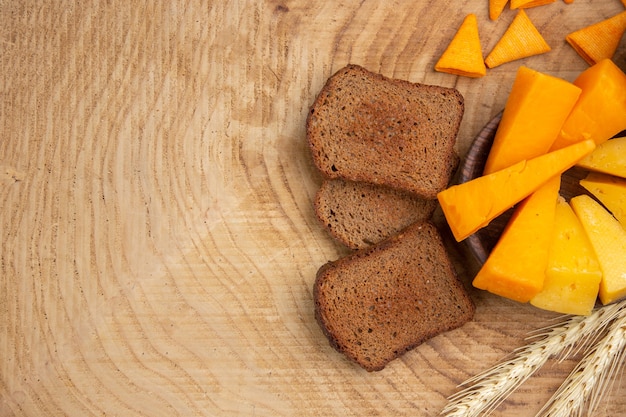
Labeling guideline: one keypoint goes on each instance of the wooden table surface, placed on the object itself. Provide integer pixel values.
(158, 241)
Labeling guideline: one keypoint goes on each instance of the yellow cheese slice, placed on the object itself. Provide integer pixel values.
(516, 267)
(573, 274)
(472, 205)
(608, 239)
(608, 157)
(610, 191)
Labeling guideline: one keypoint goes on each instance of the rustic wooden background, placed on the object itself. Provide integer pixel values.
(158, 241)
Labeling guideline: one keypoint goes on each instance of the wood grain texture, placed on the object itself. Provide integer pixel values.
(158, 241)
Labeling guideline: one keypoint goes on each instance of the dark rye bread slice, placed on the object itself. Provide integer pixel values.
(378, 303)
(359, 214)
(366, 127)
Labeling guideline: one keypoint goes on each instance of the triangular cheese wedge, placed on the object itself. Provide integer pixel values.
(516, 267)
(496, 7)
(600, 40)
(600, 109)
(542, 98)
(464, 55)
(473, 204)
(520, 40)
(525, 4)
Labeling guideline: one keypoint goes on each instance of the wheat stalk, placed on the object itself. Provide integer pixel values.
(487, 390)
(591, 379)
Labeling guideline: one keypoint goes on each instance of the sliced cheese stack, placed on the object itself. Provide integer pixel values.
(549, 253)
(604, 220)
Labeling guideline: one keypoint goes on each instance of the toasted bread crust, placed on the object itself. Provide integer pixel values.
(366, 127)
(378, 303)
(359, 214)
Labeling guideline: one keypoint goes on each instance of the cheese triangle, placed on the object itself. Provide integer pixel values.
(464, 56)
(600, 40)
(520, 40)
(496, 7)
(474, 204)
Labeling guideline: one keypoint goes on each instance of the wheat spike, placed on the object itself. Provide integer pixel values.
(590, 380)
(485, 391)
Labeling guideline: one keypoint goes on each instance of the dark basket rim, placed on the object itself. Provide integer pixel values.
(472, 166)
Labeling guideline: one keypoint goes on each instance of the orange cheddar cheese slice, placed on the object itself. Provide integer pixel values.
(600, 112)
(472, 205)
(516, 267)
(543, 99)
